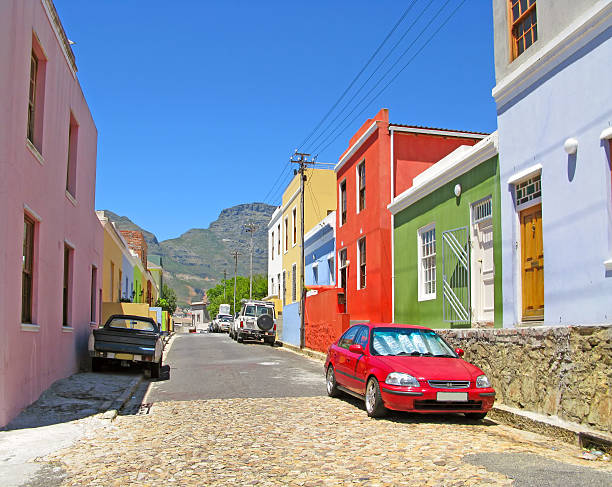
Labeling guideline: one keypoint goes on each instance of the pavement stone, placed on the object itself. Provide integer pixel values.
(298, 441)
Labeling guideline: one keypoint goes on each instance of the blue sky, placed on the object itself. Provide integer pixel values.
(203, 102)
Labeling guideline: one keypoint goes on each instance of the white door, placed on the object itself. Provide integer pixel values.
(483, 266)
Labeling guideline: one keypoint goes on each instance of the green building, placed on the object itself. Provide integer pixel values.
(447, 242)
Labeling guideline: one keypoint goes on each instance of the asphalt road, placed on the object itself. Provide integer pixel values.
(213, 366)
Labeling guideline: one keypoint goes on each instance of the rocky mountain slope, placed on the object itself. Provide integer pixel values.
(197, 259)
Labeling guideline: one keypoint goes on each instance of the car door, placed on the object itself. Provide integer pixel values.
(342, 361)
(360, 371)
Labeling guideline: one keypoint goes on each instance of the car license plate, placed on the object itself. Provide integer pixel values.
(124, 356)
(452, 396)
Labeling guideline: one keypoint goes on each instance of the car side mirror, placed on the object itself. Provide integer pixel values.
(355, 348)
(459, 351)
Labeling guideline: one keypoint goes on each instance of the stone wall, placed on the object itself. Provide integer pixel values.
(559, 371)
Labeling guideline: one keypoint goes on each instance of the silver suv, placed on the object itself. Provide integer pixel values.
(256, 320)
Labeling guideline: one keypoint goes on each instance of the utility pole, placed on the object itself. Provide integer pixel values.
(224, 284)
(235, 255)
(251, 227)
(302, 160)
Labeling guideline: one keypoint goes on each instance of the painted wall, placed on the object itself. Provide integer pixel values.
(319, 252)
(127, 286)
(138, 284)
(561, 101)
(113, 308)
(33, 356)
(291, 324)
(447, 212)
(275, 259)
(112, 266)
(319, 199)
(322, 327)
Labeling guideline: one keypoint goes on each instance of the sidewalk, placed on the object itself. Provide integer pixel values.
(70, 409)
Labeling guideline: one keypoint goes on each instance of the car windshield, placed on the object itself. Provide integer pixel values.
(265, 310)
(409, 341)
(226, 318)
(131, 323)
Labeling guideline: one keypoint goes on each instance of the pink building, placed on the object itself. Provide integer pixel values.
(50, 238)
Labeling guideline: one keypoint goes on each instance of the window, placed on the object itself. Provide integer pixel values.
(342, 268)
(528, 190)
(278, 233)
(362, 336)
(343, 202)
(361, 186)
(294, 221)
(524, 25)
(67, 294)
(349, 337)
(294, 282)
(481, 210)
(278, 282)
(92, 298)
(112, 281)
(71, 169)
(36, 95)
(427, 262)
(27, 276)
(284, 287)
(119, 296)
(272, 244)
(361, 250)
(271, 286)
(332, 270)
(286, 234)
(315, 273)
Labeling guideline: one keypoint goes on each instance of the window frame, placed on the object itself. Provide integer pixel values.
(331, 265)
(94, 295)
(361, 272)
(294, 227)
(272, 253)
(36, 95)
(286, 220)
(423, 295)
(294, 283)
(67, 285)
(284, 290)
(279, 239)
(71, 158)
(515, 24)
(28, 246)
(360, 187)
(343, 203)
(343, 266)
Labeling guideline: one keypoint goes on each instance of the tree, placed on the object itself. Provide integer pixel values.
(167, 301)
(215, 294)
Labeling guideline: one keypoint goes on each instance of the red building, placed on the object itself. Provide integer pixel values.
(381, 159)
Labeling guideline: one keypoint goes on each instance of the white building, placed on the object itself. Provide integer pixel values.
(275, 259)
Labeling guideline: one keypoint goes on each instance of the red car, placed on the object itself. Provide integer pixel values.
(406, 368)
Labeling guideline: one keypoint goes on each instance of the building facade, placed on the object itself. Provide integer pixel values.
(447, 242)
(275, 260)
(51, 240)
(319, 253)
(319, 201)
(381, 161)
(554, 105)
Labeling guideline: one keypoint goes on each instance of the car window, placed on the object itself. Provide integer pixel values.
(249, 310)
(349, 337)
(409, 341)
(131, 324)
(362, 337)
(265, 310)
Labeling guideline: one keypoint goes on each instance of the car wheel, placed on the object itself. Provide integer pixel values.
(156, 370)
(239, 339)
(475, 415)
(373, 400)
(332, 385)
(96, 364)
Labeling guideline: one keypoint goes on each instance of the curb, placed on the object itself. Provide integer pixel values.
(553, 427)
(111, 407)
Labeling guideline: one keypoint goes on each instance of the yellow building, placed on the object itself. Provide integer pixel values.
(115, 249)
(319, 201)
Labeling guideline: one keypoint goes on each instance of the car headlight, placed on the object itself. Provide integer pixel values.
(482, 382)
(400, 379)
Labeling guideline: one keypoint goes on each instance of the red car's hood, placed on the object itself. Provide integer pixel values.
(432, 368)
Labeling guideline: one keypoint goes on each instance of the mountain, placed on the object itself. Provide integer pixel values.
(196, 260)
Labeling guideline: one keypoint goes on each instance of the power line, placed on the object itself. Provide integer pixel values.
(348, 103)
(397, 74)
(359, 74)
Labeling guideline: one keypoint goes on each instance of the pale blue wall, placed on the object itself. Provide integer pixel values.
(320, 247)
(291, 324)
(574, 100)
(128, 273)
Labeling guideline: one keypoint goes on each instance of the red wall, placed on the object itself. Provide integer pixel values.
(324, 320)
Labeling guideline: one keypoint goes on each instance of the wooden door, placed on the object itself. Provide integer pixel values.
(483, 274)
(532, 263)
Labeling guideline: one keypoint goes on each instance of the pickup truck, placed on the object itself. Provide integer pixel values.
(127, 339)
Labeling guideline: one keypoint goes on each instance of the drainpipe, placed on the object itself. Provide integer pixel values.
(391, 130)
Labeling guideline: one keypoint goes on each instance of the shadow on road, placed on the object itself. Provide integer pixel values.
(418, 418)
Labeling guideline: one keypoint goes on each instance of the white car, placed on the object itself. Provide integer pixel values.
(255, 321)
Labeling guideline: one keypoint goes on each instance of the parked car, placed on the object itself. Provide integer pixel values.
(406, 368)
(255, 321)
(127, 339)
(223, 323)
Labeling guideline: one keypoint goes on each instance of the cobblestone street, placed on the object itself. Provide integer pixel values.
(309, 441)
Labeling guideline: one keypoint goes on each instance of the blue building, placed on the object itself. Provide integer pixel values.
(554, 103)
(319, 252)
